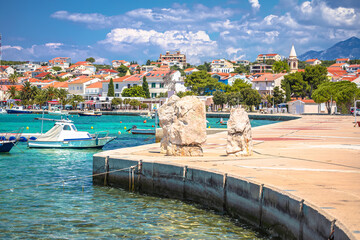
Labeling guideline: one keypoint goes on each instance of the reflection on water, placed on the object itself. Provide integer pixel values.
(79, 210)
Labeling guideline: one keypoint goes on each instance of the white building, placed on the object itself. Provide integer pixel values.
(221, 66)
(265, 84)
(26, 67)
(78, 85)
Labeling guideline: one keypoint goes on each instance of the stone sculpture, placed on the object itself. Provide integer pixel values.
(239, 140)
(184, 126)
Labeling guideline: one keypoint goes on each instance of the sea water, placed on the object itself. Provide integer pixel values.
(37, 203)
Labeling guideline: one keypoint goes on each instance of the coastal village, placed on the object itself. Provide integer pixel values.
(85, 85)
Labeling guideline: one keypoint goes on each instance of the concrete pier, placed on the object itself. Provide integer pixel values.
(302, 181)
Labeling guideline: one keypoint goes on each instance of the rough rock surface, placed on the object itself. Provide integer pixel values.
(239, 141)
(184, 126)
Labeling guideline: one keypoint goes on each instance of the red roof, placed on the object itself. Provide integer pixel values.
(42, 75)
(311, 60)
(349, 78)
(304, 100)
(343, 59)
(95, 85)
(268, 77)
(354, 66)
(301, 70)
(18, 87)
(337, 65)
(269, 55)
(336, 72)
(108, 70)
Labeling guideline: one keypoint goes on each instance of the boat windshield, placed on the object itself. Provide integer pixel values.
(73, 127)
(66, 128)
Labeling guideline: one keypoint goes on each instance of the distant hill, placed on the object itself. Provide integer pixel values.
(349, 48)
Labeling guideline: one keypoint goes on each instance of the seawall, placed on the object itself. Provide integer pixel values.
(299, 184)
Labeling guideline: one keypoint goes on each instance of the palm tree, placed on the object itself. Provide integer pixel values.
(12, 92)
(41, 98)
(25, 93)
(75, 100)
(13, 78)
(62, 96)
(34, 91)
(51, 93)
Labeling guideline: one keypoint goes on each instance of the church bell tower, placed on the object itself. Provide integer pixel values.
(293, 61)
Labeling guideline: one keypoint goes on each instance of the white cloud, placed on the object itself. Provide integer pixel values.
(194, 44)
(100, 60)
(319, 13)
(255, 4)
(6, 47)
(224, 25)
(54, 45)
(232, 50)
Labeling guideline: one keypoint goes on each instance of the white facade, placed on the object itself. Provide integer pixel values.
(79, 87)
(27, 67)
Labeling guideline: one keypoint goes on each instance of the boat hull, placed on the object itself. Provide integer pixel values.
(90, 115)
(13, 111)
(91, 143)
(143, 131)
(6, 146)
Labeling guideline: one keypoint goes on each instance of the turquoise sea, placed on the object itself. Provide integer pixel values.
(79, 210)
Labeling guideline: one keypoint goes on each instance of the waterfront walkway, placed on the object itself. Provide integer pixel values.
(316, 158)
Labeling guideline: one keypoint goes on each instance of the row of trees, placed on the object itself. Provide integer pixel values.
(30, 95)
(128, 102)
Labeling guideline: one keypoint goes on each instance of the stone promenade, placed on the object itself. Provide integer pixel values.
(316, 158)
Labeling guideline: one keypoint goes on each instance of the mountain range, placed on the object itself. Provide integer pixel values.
(349, 48)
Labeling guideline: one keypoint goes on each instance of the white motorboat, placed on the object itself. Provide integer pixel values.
(90, 113)
(58, 113)
(2, 111)
(65, 135)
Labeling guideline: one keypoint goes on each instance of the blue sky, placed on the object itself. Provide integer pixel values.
(141, 30)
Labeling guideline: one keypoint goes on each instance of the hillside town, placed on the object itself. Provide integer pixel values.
(270, 84)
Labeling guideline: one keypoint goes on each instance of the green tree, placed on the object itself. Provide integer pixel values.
(270, 61)
(12, 92)
(314, 76)
(62, 96)
(237, 86)
(41, 98)
(234, 98)
(162, 95)
(144, 106)
(251, 97)
(75, 100)
(116, 101)
(343, 93)
(298, 87)
(287, 92)
(90, 59)
(51, 93)
(122, 70)
(280, 66)
(111, 89)
(26, 92)
(148, 62)
(187, 93)
(205, 67)
(134, 103)
(136, 91)
(201, 82)
(145, 87)
(219, 98)
(13, 78)
(56, 68)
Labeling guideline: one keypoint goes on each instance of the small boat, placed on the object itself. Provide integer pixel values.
(6, 145)
(91, 113)
(58, 113)
(143, 131)
(2, 111)
(65, 135)
(135, 130)
(10, 140)
(148, 115)
(18, 110)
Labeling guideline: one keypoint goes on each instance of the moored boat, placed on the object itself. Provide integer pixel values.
(143, 131)
(9, 140)
(2, 111)
(58, 113)
(90, 114)
(18, 110)
(65, 135)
